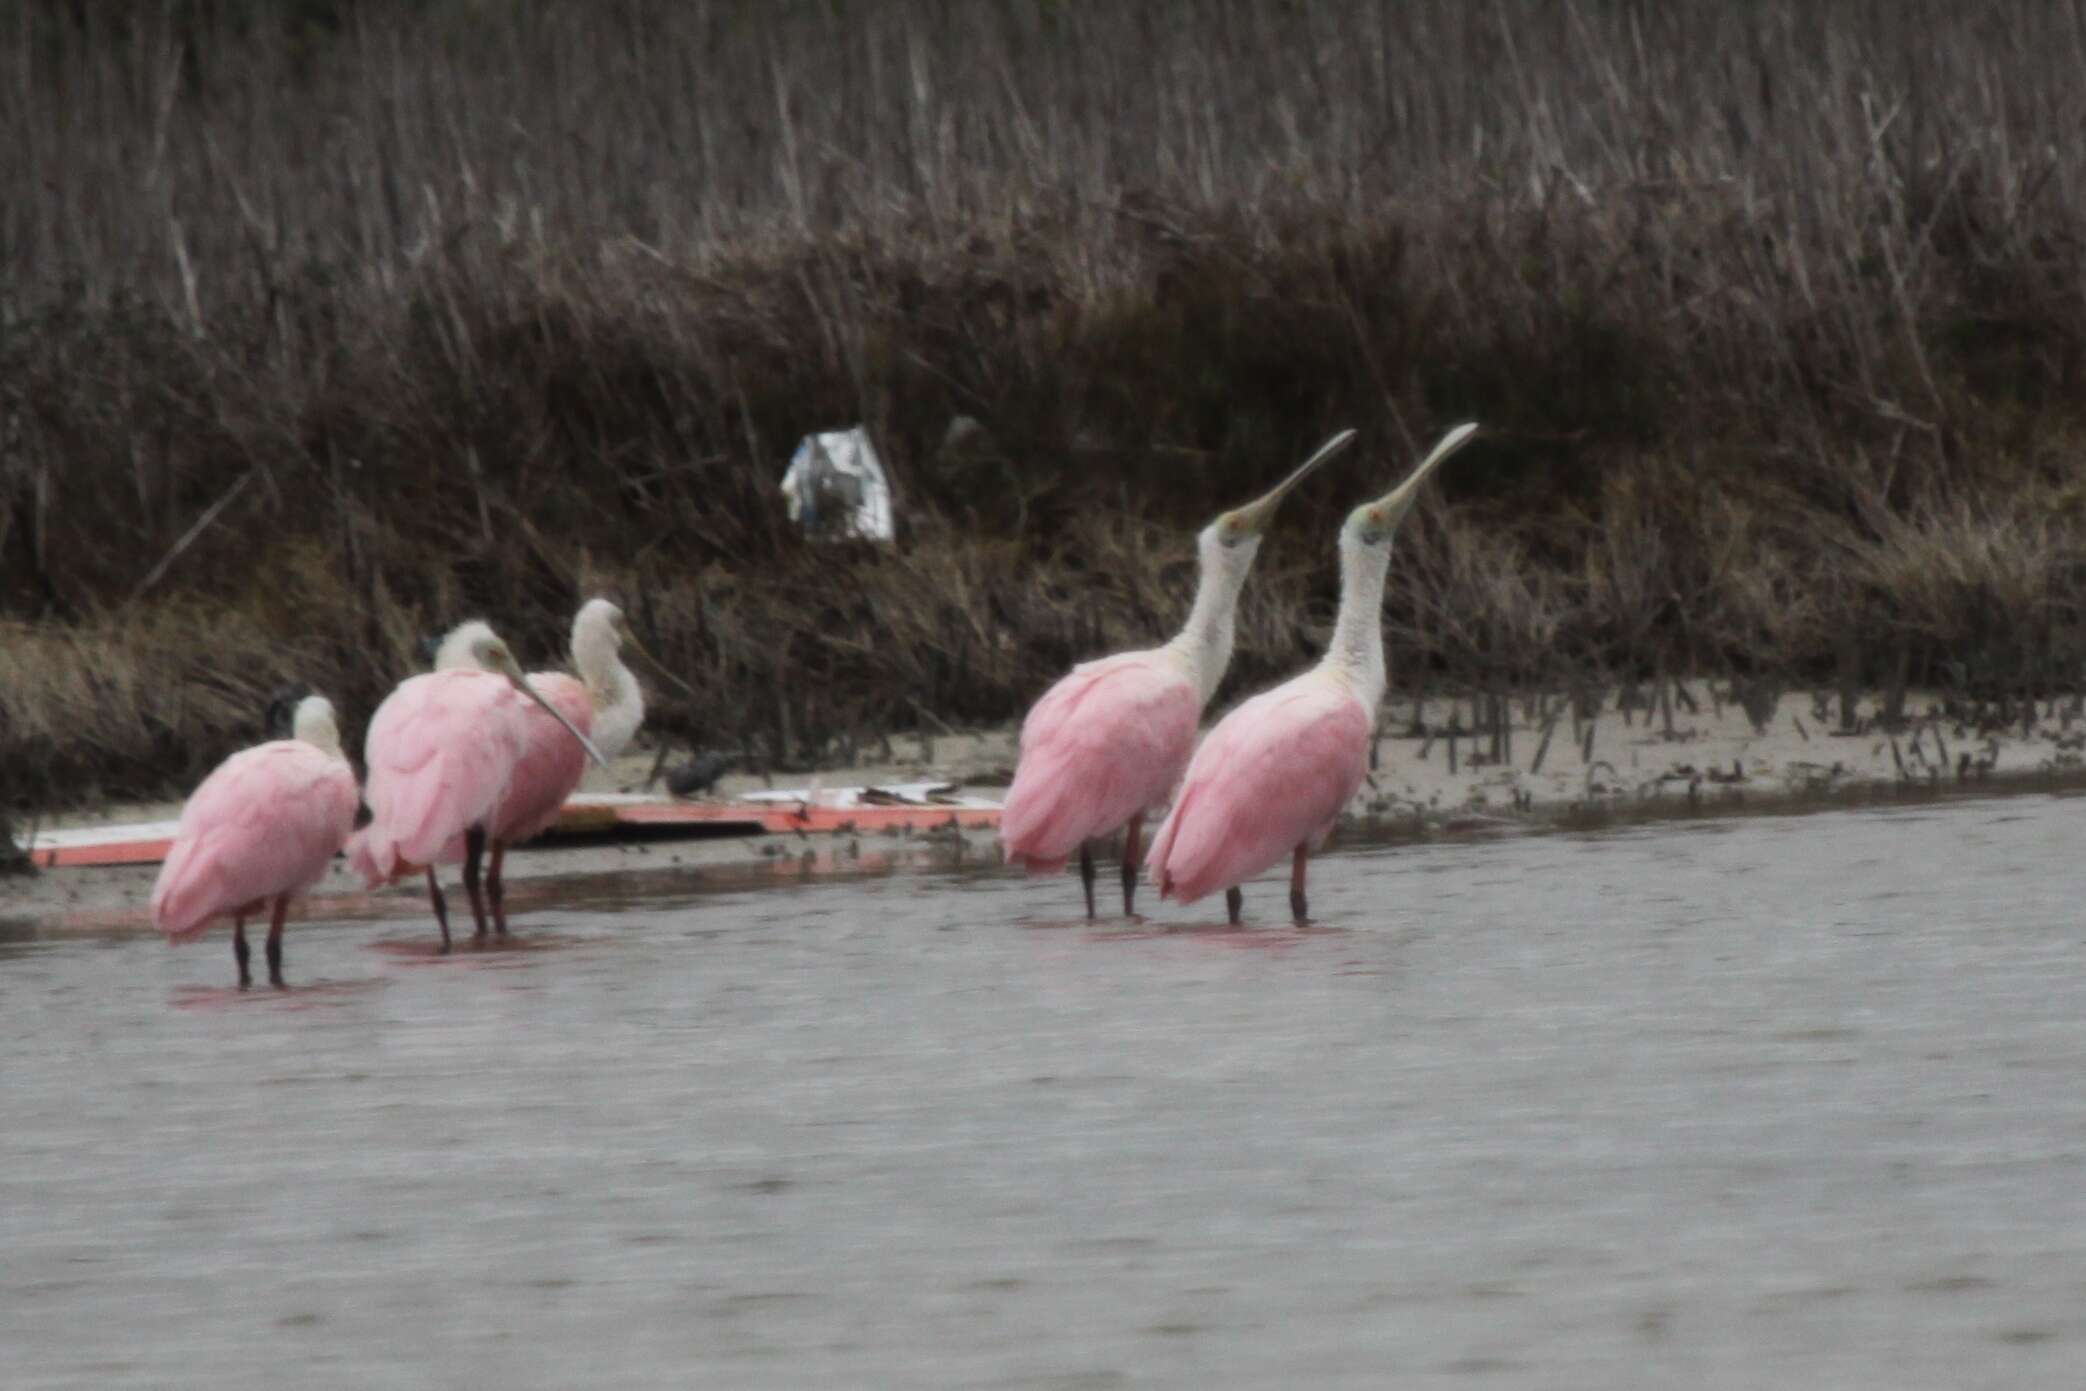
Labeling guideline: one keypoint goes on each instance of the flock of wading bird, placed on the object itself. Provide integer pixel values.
(475, 756)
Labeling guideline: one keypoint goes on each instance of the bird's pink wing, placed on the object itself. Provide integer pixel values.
(1106, 742)
(552, 761)
(263, 825)
(1274, 774)
(439, 751)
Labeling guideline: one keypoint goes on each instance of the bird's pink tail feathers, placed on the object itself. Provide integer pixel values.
(1050, 811)
(181, 896)
(190, 892)
(403, 835)
(367, 862)
(1162, 846)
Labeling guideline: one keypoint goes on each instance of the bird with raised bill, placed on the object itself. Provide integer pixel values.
(258, 832)
(440, 753)
(1107, 743)
(1276, 772)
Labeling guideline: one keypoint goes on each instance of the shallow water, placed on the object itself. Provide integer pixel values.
(1744, 1103)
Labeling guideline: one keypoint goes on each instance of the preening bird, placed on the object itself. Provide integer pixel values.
(602, 702)
(258, 832)
(440, 751)
(1108, 742)
(1276, 772)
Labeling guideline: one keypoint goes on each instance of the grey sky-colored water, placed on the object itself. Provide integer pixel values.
(1746, 1103)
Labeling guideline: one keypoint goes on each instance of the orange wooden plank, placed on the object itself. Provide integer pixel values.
(147, 851)
(779, 817)
(124, 847)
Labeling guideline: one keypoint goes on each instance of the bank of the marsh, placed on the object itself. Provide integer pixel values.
(1530, 764)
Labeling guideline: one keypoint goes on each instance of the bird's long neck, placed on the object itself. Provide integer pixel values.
(1355, 654)
(1204, 643)
(619, 703)
(315, 725)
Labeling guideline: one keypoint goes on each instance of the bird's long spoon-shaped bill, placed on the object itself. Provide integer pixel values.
(1258, 513)
(1391, 508)
(630, 641)
(521, 683)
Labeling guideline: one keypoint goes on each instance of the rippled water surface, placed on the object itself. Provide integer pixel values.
(1749, 1103)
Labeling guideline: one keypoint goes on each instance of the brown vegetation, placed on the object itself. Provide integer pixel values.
(325, 324)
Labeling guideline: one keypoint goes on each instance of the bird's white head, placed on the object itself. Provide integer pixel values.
(479, 648)
(1373, 524)
(1225, 552)
(598, 629)
(599, 634)
(1355, 654)
(316, 725)
(460, 646)
(1231, 541)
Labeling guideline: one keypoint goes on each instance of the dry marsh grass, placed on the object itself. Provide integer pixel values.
(326, 323)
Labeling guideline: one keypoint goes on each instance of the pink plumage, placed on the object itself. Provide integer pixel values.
(550, 765)
(262, 826)
(440, 751)
(1273, 775)
(1104, 744)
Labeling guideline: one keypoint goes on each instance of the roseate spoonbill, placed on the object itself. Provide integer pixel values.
(259, 831)
(603, 701)
(440, 752)
(1276, 772)
(1109, 740)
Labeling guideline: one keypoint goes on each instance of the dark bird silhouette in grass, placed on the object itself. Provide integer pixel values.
(699, 774)
(281, 711)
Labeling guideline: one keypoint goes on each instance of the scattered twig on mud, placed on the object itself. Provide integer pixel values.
(1543, 744)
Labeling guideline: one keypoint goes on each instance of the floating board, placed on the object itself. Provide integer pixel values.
(620, 816)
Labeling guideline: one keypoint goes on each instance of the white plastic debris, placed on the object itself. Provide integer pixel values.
(835, 487)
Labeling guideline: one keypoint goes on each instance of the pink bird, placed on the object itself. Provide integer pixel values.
(1108, 742)
(440, 752)
(603, 702)
(1276, 772)
(260, 830)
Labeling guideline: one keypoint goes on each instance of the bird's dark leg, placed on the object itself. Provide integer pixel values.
(496, 888)
(474, 852)
(1234, 903)
(282, 906)
(240, 953)
(1132, 834)
(1086, 875)
(1297, 903)
(434, 896)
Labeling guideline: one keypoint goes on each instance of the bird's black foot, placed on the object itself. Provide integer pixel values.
(243, 955)
(1133, 835)
(1086, 876)
(1298, 905)
(440, 901)
(474, 854)
(1234, 904)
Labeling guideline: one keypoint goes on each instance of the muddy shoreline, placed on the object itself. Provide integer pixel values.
(1633, 770)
